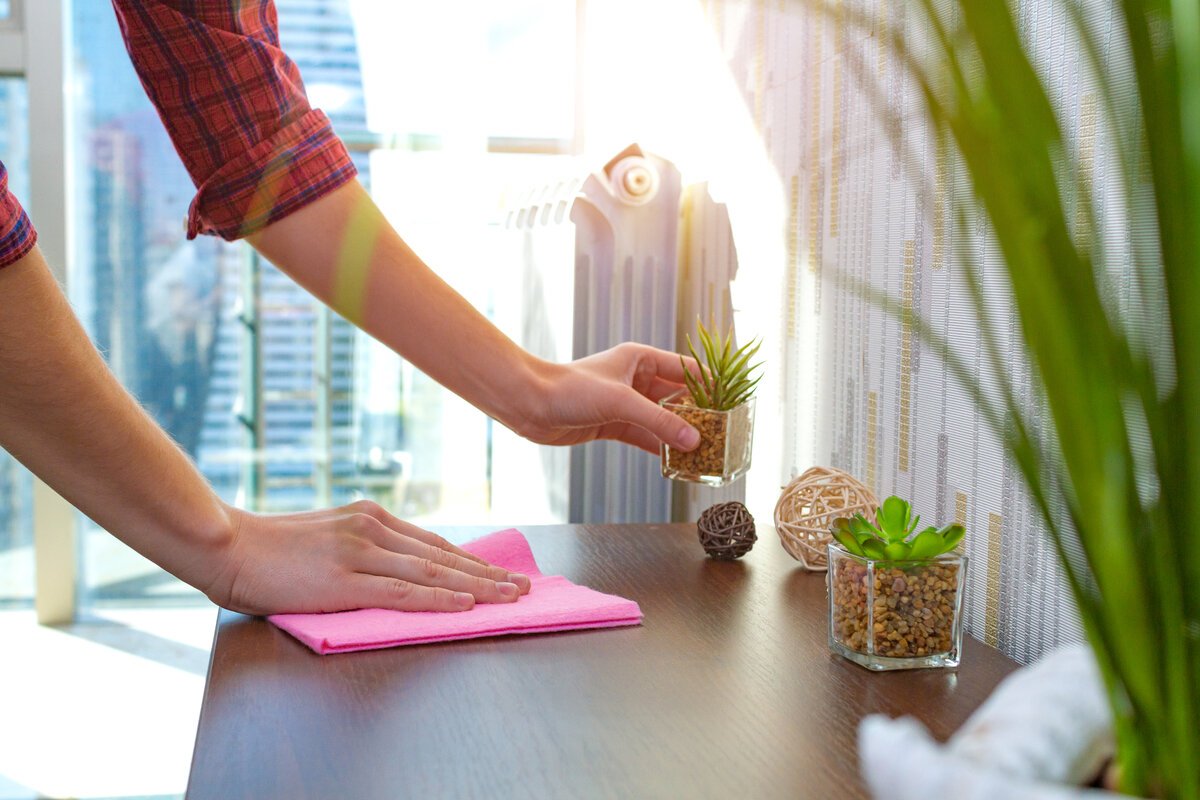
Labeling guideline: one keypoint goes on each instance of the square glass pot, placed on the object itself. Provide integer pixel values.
(723, 454)
(886, 615)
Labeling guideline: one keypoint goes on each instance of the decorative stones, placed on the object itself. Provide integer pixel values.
(896, 615)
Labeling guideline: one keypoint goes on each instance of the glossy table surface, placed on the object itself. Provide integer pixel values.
(727, 689)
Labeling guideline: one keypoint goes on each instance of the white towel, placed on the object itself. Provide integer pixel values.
(1045, 729)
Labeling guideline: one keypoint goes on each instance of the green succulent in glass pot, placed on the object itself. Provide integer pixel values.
(895, 592)
(719, 403)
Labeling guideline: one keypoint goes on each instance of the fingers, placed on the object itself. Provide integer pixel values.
(425, 572)
(633, 407)
(660, 389)
(379, 591)
(436, 548)
(403, 545)
(451, 558)
(384, 553)
(405, 539)
(380, 513)
(632, 434)
(667, 365)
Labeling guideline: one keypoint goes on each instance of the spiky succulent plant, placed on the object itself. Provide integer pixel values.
(724, 380)
(888, 539)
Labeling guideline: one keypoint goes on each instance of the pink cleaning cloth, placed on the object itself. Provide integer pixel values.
(553, 604)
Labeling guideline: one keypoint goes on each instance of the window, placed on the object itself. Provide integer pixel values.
(160, 308)
(530, 80)
(283, 405)
(16, 534)
(16, 486)
(493, 109)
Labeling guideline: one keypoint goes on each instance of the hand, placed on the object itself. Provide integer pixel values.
(357, 556)
(612, 395)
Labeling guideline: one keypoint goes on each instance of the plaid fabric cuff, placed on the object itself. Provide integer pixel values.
(17, 235)
(300, 164)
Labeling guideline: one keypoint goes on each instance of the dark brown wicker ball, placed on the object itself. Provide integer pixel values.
(727, 531)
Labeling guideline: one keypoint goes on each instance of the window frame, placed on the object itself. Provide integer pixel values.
(12, 42)
(34, 46)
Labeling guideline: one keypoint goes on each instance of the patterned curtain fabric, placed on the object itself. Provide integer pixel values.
(868, 200)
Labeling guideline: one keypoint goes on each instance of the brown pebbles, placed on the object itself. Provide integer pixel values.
(911, 610)
(725, 441)
(709, 456)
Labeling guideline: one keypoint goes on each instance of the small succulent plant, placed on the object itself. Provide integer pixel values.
(725, 382)
(892, 537)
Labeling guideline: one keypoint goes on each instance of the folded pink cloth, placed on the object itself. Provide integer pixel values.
(553, 604)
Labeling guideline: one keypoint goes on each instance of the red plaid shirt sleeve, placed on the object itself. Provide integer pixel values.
(17, 235)
(235, 108)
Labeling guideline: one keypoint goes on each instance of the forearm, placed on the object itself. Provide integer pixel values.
(64, 415)
(342, 250)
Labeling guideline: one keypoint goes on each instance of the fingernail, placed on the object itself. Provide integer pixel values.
(509, 590)
(518, 578)
(464, 600)
(689, 438)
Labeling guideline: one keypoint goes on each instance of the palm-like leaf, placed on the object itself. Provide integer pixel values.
(725, 380)
(1137, 584)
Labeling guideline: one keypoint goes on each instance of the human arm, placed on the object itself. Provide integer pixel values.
(64, 415)
(267, 166)
(342, 250)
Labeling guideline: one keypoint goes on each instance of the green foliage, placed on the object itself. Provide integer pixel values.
(893, 536)
(724, 381)
(1110, 453)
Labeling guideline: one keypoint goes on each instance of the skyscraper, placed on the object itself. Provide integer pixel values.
(153, 316)
(170, 314)
(306, 388)
(157, 306)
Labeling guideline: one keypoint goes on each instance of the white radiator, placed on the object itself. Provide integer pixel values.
(622, 254)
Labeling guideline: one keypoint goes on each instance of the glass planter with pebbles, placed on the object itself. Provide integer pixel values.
(719, 403)
(895, 595)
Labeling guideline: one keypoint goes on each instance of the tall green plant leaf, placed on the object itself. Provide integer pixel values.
(1138, 584)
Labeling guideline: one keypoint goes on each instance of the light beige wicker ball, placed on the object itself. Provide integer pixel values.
(808, 507)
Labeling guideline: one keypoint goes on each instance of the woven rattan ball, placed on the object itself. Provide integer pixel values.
(808, 507)
(727, 531)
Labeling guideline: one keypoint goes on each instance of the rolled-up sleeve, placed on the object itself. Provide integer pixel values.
(235, 108)
(17, 236)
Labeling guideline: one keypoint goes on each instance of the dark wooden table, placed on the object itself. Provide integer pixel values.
(728, 689)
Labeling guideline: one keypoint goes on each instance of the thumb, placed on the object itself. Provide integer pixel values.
(666, 426)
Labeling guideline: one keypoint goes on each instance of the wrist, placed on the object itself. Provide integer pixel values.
(524, 396)
(219, 555)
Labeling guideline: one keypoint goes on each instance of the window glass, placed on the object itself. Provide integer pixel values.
(303, 395)
(283, 405)
(531, 69)
(509, 67)
(14, 134)
(161, 309)
(443, 173)
(16, 494)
